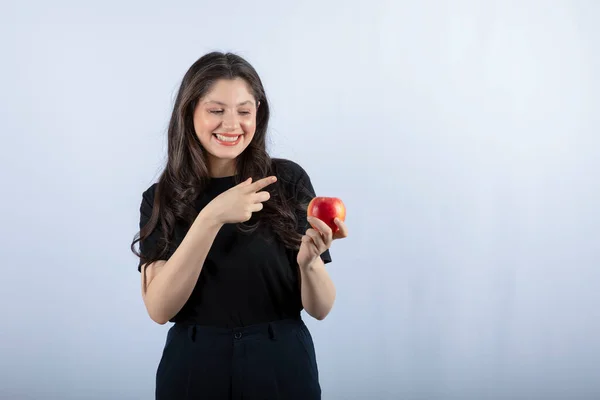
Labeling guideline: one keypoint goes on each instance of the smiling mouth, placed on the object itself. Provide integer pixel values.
(227, 139)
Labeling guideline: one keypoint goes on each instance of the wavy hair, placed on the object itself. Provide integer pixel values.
(186, 172)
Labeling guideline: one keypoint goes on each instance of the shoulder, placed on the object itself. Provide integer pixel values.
(151, 190)
(289, 170)
(295, 177)
(148, 195)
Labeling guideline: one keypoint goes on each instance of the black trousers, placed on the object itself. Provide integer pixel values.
(267, 361)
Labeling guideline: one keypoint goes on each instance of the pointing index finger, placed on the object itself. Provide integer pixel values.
(262, 183)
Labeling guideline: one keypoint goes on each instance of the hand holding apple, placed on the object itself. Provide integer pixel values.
(328, 209)
(326, 217)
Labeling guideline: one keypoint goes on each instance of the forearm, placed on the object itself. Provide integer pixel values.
(317, 289)
(169, 290)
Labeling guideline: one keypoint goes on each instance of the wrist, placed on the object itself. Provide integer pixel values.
(311, 265)
(208, 219)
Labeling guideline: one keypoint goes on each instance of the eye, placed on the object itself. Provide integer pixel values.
(245, 112)
(218, 112)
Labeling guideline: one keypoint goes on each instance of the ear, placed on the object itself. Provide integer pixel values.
(257, 104)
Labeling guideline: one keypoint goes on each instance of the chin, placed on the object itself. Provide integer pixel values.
(225, 156)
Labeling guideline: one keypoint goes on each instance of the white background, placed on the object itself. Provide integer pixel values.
(463, 137)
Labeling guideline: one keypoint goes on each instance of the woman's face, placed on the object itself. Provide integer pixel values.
(225, 122)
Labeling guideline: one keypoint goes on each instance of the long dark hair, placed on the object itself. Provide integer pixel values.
(186, 172)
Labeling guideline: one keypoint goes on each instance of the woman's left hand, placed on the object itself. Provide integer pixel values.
(318, 239)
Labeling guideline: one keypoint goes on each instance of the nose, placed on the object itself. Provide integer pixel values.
(230, 121)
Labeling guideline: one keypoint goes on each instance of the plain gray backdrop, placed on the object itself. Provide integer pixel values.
(463, 137)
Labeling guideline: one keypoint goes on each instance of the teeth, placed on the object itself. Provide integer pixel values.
(227, 138)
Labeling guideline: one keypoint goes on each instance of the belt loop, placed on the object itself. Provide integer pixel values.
(192, 333)
(271, 332)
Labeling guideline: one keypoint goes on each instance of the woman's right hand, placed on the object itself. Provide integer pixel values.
(238, 203)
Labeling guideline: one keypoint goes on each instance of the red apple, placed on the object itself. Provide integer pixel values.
(327, 209)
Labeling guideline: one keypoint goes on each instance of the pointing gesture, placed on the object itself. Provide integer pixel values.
(238, 203)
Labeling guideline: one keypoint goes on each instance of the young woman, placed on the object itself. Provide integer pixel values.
(226, 250)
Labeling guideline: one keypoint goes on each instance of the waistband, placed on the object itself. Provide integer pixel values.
(271, 329)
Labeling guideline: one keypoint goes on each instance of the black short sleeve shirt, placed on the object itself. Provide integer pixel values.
(246, 278)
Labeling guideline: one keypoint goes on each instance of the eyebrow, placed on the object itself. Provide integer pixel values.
(243, 103)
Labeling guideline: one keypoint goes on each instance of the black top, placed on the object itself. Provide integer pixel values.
(246, 279)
